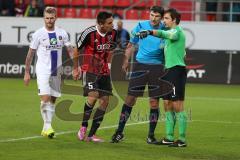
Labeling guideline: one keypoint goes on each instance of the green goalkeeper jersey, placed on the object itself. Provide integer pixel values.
(174, 49)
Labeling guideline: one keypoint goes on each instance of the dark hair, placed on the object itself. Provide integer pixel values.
(102, 16)
(158, 9)
(175, 15)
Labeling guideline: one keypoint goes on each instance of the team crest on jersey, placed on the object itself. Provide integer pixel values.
(60, 38)
(53, 41)
(96, 41)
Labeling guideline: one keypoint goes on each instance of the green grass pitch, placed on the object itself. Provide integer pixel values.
(213, 131)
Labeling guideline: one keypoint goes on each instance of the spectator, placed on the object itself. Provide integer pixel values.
(40, 4)
(33, 10)
(122, 35)
(20, 8)
(7, 8)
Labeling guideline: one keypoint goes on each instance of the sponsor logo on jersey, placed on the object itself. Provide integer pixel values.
(106, 46)
(53, 44)
(52, 47)
(53, 41)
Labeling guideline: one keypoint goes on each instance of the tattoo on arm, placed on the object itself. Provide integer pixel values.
(29, 59)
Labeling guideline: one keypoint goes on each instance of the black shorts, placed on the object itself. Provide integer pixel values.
(146, 74)
(176, 75)
(100, 83)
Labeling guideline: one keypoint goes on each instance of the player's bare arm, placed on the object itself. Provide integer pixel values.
(28, 62)
(76, 71)
(128, 53)
(70, 50)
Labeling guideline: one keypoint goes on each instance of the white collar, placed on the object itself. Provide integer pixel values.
(50, 31)
(101, 34)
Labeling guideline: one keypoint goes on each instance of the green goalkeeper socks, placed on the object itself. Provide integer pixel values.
(170, 124)
(182, 124)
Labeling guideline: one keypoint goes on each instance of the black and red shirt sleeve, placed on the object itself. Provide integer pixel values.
(84, 37)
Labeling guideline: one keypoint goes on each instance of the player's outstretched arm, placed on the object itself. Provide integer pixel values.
(169, 34)
(76, 72)
(172, 34)
(28, 62)
(128, 53)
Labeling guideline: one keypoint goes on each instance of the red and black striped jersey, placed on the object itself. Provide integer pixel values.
(97, 49)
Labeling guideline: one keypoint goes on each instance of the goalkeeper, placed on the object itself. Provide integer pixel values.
(174, 63)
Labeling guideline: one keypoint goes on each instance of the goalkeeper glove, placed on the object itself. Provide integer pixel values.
(144, 33)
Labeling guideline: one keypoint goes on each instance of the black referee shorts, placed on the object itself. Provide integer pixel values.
(147, 74)
(176, 75)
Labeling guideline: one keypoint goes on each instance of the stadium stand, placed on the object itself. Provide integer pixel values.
(93, 3)
(63, 3)
(78, 3)
(70, 13)
(59, 12)
(191, 10)
(85, 13)
(119, 12)
(132, 14)
(145, 14)
(140, 4)
(123, 3)
(49, 2)
(108, 3)
(185, 8)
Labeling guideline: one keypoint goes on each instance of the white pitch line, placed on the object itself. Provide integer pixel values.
(18, 139)
(66, 132)
(108, 127)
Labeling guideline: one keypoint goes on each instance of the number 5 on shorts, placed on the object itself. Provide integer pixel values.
(90, 85)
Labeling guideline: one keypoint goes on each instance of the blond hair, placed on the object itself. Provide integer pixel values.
(50, 10)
